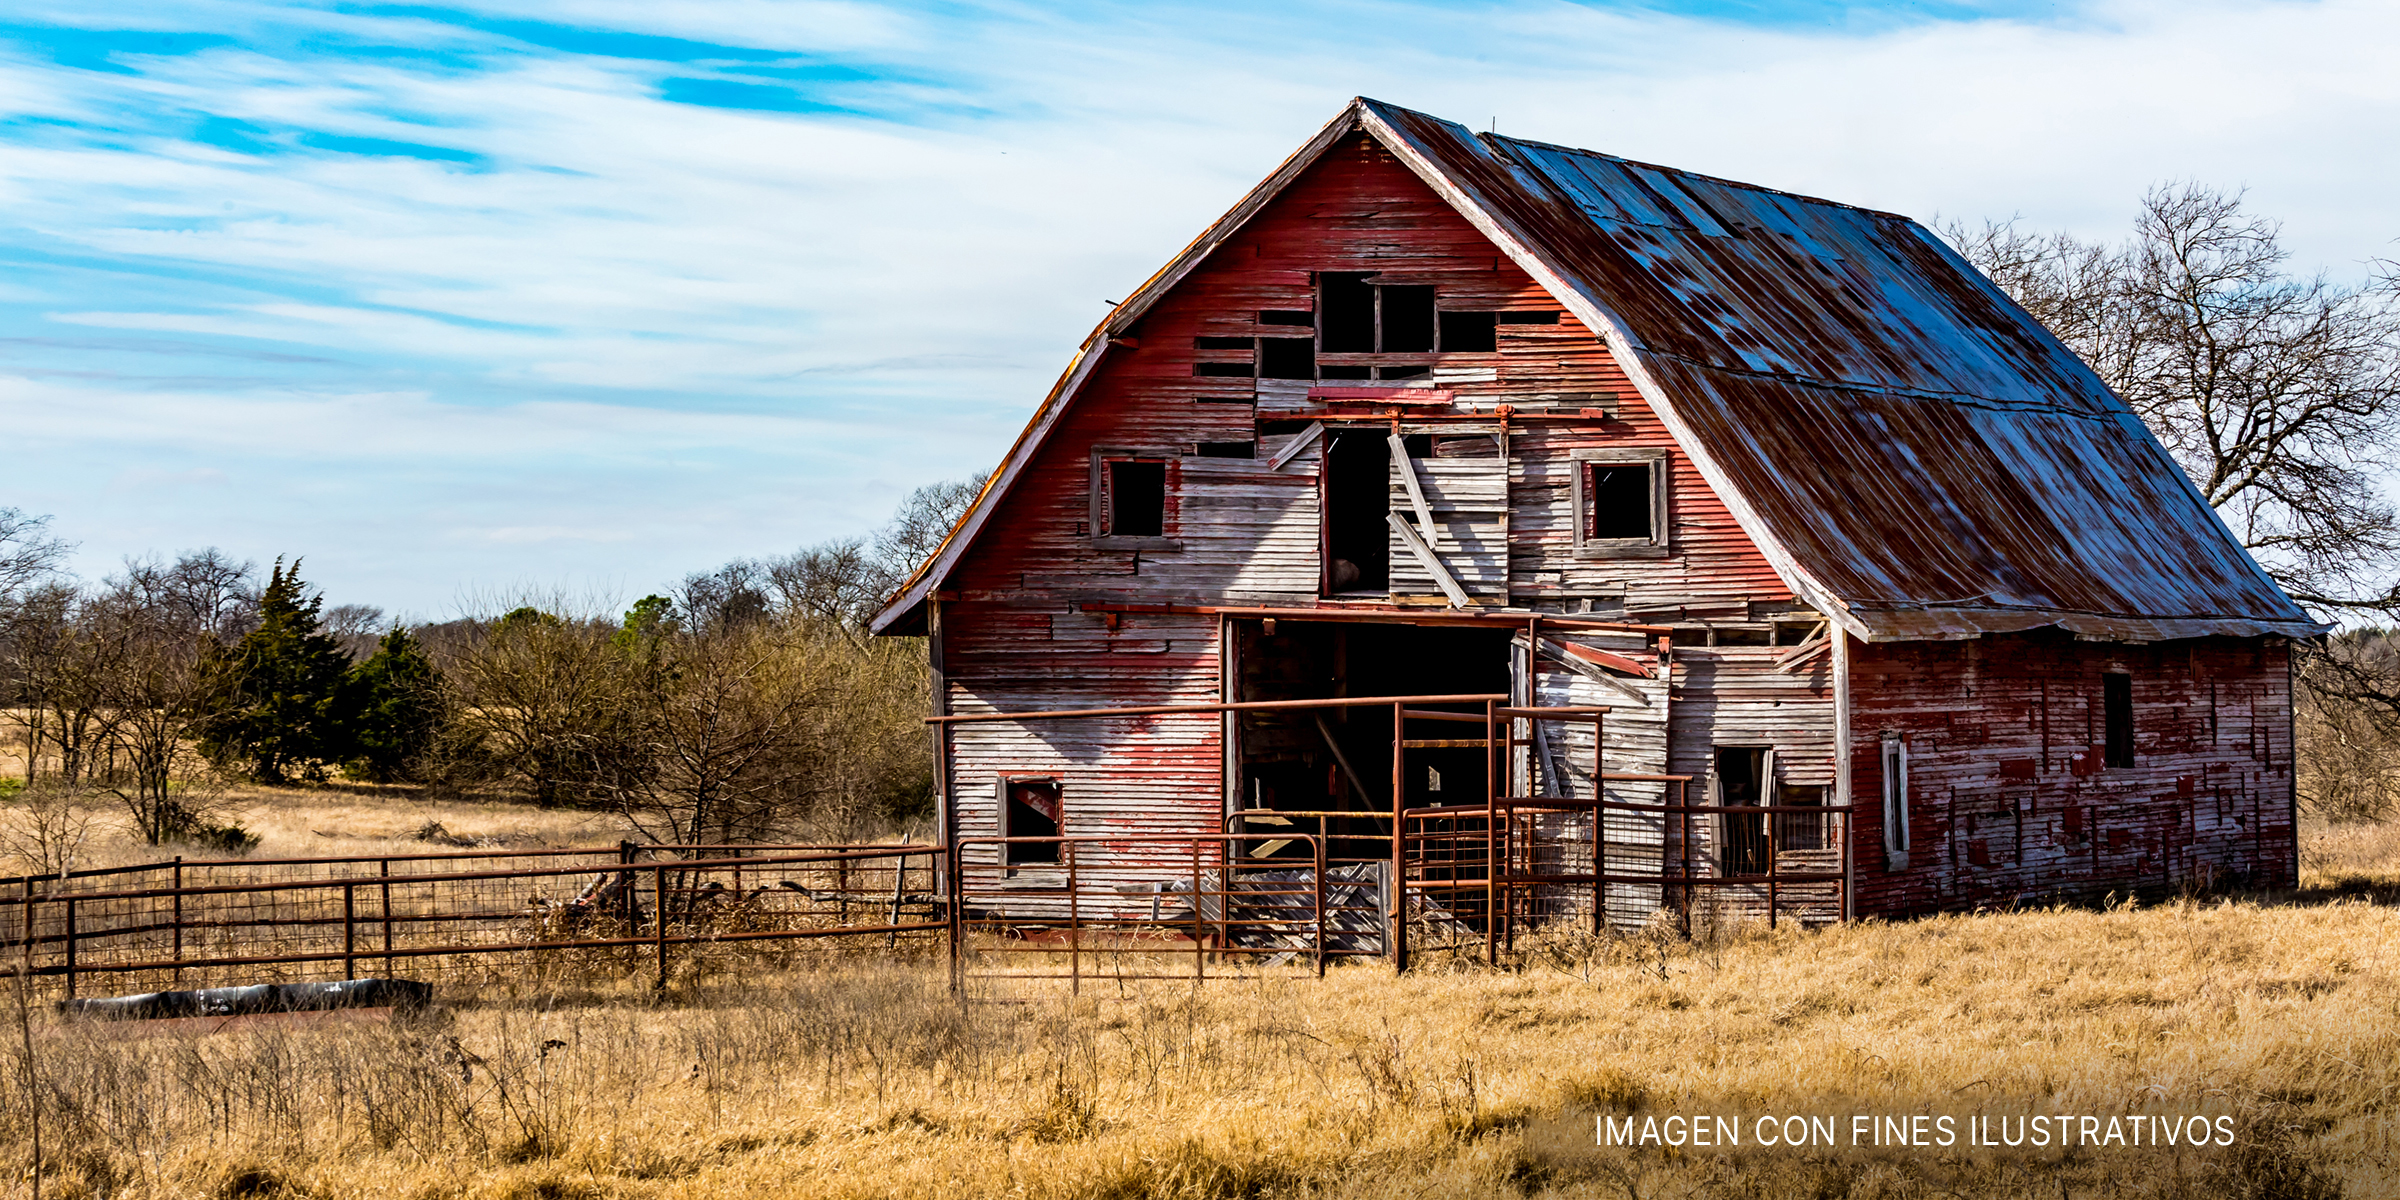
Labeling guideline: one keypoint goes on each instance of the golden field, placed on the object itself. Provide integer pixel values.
(868, 1078)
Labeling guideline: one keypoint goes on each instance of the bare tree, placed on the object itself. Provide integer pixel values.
(2277, 395)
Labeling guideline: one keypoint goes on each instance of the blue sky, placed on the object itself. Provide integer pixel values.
(459, 300)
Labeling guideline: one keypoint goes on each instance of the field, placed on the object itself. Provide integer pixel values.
(867, 1078)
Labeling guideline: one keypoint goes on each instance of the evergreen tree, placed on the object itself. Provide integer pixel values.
(392, 708)
(278, 693)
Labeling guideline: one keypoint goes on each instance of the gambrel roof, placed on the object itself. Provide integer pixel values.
(1916, 454)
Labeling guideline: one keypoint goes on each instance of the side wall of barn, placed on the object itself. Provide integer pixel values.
(2010, 794)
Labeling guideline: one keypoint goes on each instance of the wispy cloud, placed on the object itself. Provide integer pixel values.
(730, 276)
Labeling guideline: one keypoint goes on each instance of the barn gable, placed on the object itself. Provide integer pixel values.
(1912, 454)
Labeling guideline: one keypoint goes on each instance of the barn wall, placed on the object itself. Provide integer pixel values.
(2010, 797)
(1237, 531)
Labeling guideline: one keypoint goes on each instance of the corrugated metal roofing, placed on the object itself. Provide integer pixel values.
(1918, 455)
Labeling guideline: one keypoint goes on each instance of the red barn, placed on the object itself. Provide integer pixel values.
(1818, 514)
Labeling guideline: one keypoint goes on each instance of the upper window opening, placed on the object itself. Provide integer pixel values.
(1033, 810)
(1221, 343)
(1137, 498)
(1287, 316)
(1229, 449)
(2116, 706)
(1468, 332)
(1617, 500)
(1287, 358)
(1346, 313)
(1405, 317)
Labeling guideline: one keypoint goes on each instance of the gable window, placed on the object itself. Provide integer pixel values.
(1129, 509)
(2116, 711)
(1030, 808)
(1360, 324)
(1620, 503)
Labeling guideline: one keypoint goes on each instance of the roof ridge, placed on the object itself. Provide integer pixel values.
(1702, 175)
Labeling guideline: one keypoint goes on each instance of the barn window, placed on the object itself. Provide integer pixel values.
(1744, 778)
(1619, 497)
(1468, 332)
(1032, 808)
(2116, 710)
(1895, 798)
(1800, 830)
(1129, 498)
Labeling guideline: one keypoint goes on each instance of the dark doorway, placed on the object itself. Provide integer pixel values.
(1339, 761)
(1741, 781)
(1358, 471)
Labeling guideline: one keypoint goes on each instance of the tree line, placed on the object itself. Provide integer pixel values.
(743, 704)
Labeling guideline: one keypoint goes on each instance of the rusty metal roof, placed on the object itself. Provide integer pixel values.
(1916, 454)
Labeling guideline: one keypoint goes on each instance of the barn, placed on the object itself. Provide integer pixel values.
(1561, 534)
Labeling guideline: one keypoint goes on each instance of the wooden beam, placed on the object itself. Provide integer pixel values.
(1433, 562)
(1416, 498)
(1307, 438)
(1593, 672)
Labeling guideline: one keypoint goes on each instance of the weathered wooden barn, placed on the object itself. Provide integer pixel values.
(1816, 513)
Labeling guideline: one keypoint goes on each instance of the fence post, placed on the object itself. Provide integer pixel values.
(25, 964)
(178, 976)
(958, 961)
(349, 931)
(899, 891)
(1492, 786)
(70, 946)
(385, 870)
(1074, 927)
(1398, 892)
(1320, 877)
(658, 897)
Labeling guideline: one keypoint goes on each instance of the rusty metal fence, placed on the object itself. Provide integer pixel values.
(579, 913)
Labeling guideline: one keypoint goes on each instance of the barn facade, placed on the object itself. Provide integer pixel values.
(1814, 513)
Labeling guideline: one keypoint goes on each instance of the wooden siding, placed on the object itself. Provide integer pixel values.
(2010, 799)
(1634, 739)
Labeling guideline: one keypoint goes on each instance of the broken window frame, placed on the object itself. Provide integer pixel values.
(1034, 854)
(1378, 363)
(1658, 544)
(1894, 757)
(1099, 506)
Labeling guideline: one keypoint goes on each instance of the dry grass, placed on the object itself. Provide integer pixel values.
(869, 1079)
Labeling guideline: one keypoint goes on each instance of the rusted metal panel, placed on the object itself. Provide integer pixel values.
(2011, 800)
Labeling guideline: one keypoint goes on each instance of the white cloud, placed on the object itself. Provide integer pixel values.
(768, 326)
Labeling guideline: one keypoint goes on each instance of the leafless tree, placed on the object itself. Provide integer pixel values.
(2278, 397)
(2276, 394)
(547, 700)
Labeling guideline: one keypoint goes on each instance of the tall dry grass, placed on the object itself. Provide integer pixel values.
(872, 1080)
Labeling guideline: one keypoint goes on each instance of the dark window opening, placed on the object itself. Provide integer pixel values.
(1528, 318)
(1223, 370)
(1741, 780)
(1032, 810)
(1221, 343)
(1691, 637)
(1137, 498)
(2116, 709)
(1468, 332)
(1345, 372)
(1357, 482)
(1406, 318)
(1800, 831)
(1229, 449)
(1287, 358)
(1287, 316)
(1745, 637)
(1618, 498)
(1412, 372)
(1346, 311)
